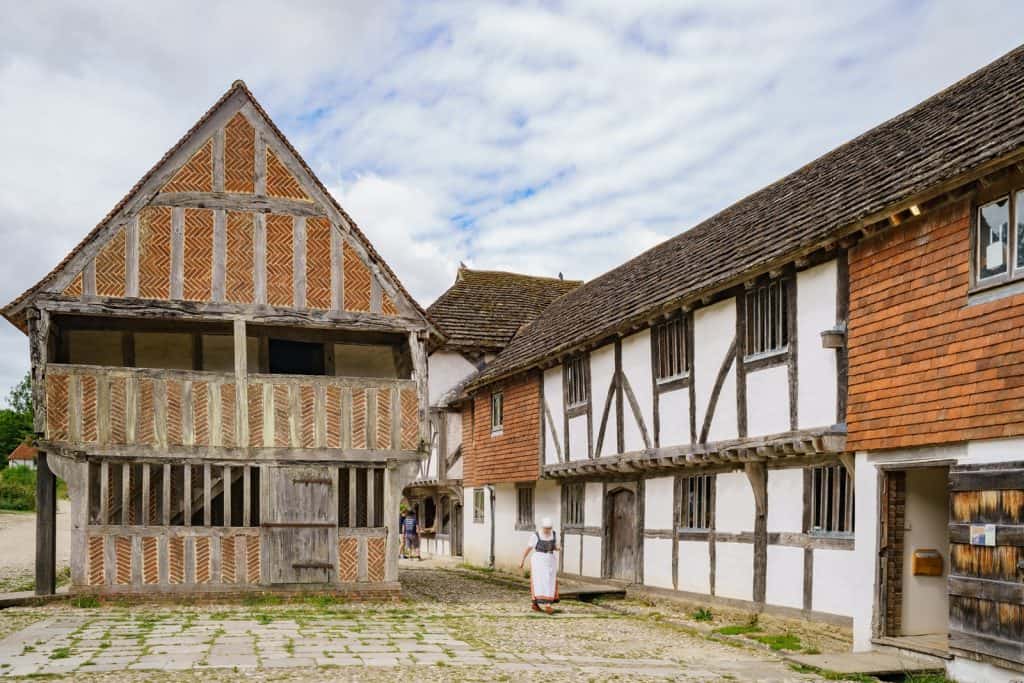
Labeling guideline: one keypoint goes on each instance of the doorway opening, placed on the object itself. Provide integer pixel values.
(915, 528)
(620, 535)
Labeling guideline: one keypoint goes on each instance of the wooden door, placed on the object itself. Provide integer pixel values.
(300, 528)
(621, 522)
(986, 573)
(457, 530)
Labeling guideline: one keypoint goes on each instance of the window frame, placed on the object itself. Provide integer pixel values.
(576, 380)
(706, 486)
(479, 506)
(659, 334)
(1013, 272)
(497, 412)
(762, 292)
(574, 505)
(522, 523)
(842, 509)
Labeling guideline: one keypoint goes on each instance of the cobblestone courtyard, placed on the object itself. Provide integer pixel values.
(452, 626)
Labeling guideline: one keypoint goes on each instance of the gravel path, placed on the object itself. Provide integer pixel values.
(452, 625)
(18, 546)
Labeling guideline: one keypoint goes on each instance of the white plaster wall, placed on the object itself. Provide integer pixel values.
(553, 402)
(593, 514)
(658, 503)
(926, 598)
(967, 671)
(734, 503)
(571, 548)
(784, 581)
(658, 562)
(445, 369)
(786, 500)
(578, 446)
(816, 367)
(694, 567)
(476, 537)
(714, 328)
(454, 431)
(734, 570)
(768, 401)
(591, 556)
(992, 451)
(455, 471)
(833, 586)
(636, 365)
(509, 542)
(674, 417)
(602, 370)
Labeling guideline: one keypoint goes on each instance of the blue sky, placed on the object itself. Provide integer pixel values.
(539, 137)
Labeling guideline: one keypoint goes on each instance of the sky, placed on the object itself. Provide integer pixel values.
(540, 137)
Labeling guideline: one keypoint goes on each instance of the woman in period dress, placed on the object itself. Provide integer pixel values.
(543, 566)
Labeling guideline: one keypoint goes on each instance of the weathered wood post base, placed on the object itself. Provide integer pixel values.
(46, 527)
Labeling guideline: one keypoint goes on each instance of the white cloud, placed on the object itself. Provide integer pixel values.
(534, 136)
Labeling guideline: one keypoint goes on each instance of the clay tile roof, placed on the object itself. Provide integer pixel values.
(23, 453)
(973, 122)
(484, 309)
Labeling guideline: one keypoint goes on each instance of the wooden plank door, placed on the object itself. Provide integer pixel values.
(622, 534)
(986, 573)
(300, 527)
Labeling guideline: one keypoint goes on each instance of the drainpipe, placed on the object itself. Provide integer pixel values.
(490, 555)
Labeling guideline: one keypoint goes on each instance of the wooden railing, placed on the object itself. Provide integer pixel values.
(164, 410)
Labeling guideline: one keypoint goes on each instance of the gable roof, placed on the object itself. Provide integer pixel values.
(484, 309)
(975, 121)
(23, 453)
(15, 311)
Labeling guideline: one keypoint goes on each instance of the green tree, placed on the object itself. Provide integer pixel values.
(16, 418)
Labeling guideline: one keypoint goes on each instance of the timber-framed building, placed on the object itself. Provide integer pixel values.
(809, 404)
(228, 376)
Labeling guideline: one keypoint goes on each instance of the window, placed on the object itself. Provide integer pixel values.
(574, 496)
(669, 341)
(831, 500)
(767, 318)
(478, 506)
(296, 357)
(524, 508)
(577, 386)
(998, 251)
(497, 411)
(696, 502)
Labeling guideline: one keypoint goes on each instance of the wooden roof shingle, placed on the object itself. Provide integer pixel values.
(484, 309)
(977, 121)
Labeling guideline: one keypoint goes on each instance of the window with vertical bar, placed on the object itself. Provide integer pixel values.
(497, 412)
(576, 384)
(478, 506)
(378, 497)
(361, 516)
(831, 500)
(574, 497)
(669, 341)
(343, 496)
(696, 502)
(524, 508)
(767, 322)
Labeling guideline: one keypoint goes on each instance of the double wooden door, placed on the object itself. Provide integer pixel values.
(300, 527)
(986, 573)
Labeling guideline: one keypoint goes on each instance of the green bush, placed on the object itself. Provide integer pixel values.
(18, 488)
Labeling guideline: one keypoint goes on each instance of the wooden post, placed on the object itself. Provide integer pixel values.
(241, 383)
(757, 473)
(46, 527)
(419, 372)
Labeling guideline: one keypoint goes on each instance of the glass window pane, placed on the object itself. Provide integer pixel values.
(1020, 227)
(993, 226)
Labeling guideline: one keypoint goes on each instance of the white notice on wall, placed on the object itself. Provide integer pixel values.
(983, 534)
(994, 256)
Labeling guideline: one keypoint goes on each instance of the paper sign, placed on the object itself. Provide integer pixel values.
(994, 256)
(983, 534)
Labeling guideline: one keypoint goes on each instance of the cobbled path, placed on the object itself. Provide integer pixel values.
(452, 626)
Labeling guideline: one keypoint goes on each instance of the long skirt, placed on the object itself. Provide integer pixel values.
(544, 577)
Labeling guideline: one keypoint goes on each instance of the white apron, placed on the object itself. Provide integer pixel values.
(543, 573)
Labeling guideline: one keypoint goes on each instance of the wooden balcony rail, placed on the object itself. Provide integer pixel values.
(99, 409)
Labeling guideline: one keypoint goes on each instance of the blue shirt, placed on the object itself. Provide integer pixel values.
(409, 524)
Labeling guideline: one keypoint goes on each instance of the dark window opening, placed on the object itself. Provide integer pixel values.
(575, 495)
(696, 509)
(524, 508)
(295, 357)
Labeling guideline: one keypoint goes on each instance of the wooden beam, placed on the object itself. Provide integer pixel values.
(46, 527)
